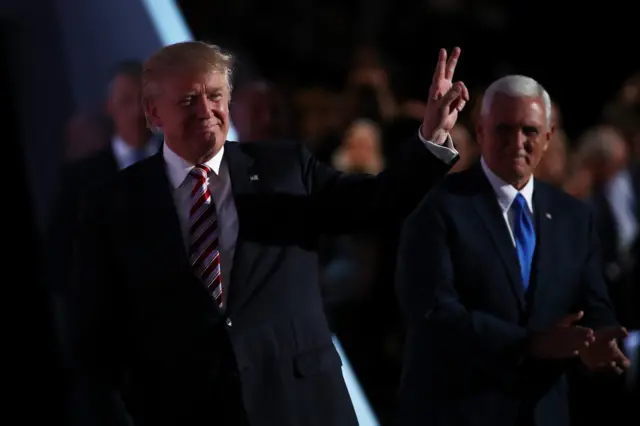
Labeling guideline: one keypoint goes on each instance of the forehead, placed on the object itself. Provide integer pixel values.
(186, 81)
(517, 110)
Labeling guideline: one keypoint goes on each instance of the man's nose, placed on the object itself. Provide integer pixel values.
(203, 107)
(518, 139)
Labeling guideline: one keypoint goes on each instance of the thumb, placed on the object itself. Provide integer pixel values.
(452, 94)
(570, 319)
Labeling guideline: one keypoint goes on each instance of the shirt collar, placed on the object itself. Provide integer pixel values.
(505, 192)
(178, 168)
(125, 153)
(124, 150)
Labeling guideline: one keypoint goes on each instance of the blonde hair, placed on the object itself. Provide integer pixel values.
(185, 56)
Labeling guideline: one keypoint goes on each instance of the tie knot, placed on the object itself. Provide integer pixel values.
(201, 171)
(520, 203)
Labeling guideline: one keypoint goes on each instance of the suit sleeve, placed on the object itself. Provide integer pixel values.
(96, 312)
(597, 306)
(347, 203)
(426, 290)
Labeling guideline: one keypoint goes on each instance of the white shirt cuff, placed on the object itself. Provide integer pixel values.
(445, 152)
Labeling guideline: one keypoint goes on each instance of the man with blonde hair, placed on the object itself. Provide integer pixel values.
(196, 297)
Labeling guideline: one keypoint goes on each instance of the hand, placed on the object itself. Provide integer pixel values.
(563, 340)
(604, 354)
(446, 99)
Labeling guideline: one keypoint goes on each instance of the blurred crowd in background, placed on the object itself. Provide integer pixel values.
(338, 80)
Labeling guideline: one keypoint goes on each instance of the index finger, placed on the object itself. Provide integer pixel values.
(441, 66)
(453, 61)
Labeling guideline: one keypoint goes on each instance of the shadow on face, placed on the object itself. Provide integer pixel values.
(513, 136)
(191, 108)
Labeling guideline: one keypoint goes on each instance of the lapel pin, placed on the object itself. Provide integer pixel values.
(548, 216)
(253, 178)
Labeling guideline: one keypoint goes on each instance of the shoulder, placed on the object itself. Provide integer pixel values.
(560, 201)
(453, 189)
(260, 149)
(96, 163)
(119, 187)
(574, 218)
(87, 173)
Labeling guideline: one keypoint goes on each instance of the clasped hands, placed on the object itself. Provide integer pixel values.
(597, 349)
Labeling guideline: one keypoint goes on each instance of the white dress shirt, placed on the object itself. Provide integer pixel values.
(620, 196)
(506, 194)
(220, 186)
(445, 152)
(125, 153)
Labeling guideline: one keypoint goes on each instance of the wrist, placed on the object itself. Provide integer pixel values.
(438, 137)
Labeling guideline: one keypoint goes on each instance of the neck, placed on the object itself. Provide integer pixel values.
(193, 157)
(136, 139)
(519, 183)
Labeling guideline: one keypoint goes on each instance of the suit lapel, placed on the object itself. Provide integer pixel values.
(158, 214)
(543, 262)
(489, 210)
(248, 254)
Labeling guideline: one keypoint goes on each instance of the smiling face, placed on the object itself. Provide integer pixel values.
(191, 108)
(513, 136)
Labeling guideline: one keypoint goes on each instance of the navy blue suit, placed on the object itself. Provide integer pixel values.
(469, 316)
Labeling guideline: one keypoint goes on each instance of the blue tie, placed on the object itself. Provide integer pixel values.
(525, 236)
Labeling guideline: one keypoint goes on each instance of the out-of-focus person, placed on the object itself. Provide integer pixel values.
(369, 91)
(130, 142)
(604, 151)
(552, 168)
(623, 111)
(361, 149)
(86, 134)
(615, 194)
(259, 112)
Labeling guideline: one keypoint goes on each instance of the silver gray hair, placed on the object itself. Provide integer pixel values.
(517, 86)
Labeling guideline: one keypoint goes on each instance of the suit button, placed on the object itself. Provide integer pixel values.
(229, 322)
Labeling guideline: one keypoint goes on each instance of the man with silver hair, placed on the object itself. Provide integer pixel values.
(500, 279)
(196, 299)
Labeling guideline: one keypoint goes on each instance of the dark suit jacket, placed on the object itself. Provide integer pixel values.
(146, 331)
(468, 316)
(76, 179)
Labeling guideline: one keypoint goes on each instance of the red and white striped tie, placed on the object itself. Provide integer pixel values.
(203, 236)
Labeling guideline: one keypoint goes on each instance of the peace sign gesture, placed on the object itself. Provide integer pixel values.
(446, 99)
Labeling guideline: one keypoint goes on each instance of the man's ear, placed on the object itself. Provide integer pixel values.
(151, 113)
(547, 136)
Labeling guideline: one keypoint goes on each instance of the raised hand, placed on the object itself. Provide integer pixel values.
(562, 340)
(446, 99)
(604, 354)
